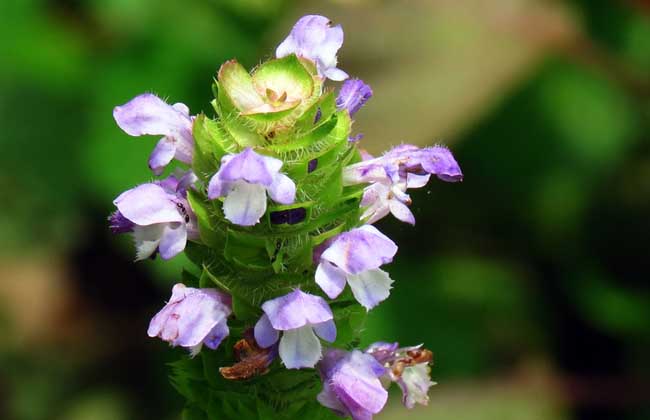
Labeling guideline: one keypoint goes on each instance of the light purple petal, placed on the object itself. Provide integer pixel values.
(416, 181)
(147, 239)
(401, 211)
(192, 316)
(198, 314)
(185, 181)
(182, 108)
(330, 279)
(367, 171)
(147, 204)
(169, 184)
(375, 213)
(245, 204)
(439, 161)
(328, 399)
(218, 188)
(216, 335)
(148, 114)
(162, 320)
(403, 160)
(353, 95)
(360, 249)
(250, 167)
(265, 334)
(314, 38)
(415, 382)
(335, 74)
(357, 386)
(299, 348)
(375, 198)
(297, 309)
(383, 352)
(326, 330)
(282, 190)
(119, 224)
(331, 358)
(161, 155)
(173, 240)
(351, 384)
(370, 287)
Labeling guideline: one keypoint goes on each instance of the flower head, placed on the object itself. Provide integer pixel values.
(355, 257)
(314, 38)
(298, 316)
(408, 367)
(351, 384)
(158, 215)
(148, 114)
(244, 179)
(192, 318)
(353, 95)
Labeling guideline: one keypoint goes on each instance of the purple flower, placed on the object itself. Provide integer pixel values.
(399, 169)
(355, 257)
(159, 216)
(192, 318)
(314, 38)
(397, 163)
(244, 179)
(298, 315)
(351, 384)
(353, 95)
(148, 114)
(382, 198)
(408, 367)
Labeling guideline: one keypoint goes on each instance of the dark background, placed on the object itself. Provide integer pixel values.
(529, 280)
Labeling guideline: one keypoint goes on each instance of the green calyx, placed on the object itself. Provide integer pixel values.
(272, 96)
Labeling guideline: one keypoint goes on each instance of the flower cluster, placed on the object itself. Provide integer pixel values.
(277, 203)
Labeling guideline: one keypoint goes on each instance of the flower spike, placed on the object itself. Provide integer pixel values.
(280, 209)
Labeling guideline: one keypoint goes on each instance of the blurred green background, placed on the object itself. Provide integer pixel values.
(529, 280)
